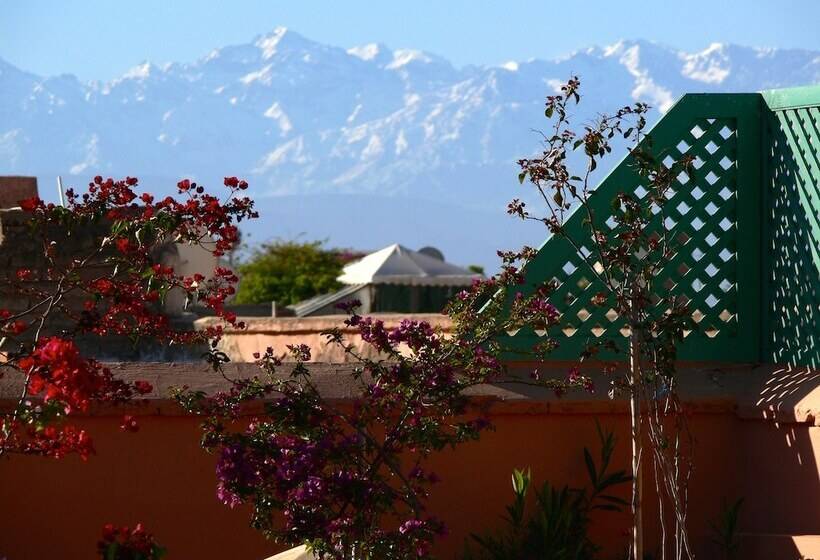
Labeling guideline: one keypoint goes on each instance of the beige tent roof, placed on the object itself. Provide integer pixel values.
(298, 553)
(399, 265)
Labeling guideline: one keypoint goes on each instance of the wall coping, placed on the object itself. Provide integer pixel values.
(781, 394)
(317, 324)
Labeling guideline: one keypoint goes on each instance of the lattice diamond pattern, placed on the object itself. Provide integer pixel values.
(700, 218)
(705, 229)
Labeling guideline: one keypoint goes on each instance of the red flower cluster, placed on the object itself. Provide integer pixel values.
(56, 370)
(58, 442)
(110, 285)
(123, 543)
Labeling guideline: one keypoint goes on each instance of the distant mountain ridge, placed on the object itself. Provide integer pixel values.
(297, 117)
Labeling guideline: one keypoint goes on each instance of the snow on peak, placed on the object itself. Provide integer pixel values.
(262, 75)
(268, 43)
(366, 52)
(765, 52)
(615, 48)
(139, 72)
(276, 113)
(403, 57)
(646, 89)
(714, 48)
(710, 66)
(631, 59)
(510, 65)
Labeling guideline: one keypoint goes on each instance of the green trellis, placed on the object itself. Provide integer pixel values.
(748, 228)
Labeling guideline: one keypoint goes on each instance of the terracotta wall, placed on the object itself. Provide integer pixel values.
(161, 477)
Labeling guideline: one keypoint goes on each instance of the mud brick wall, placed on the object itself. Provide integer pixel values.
(13, 189)
(21, 248)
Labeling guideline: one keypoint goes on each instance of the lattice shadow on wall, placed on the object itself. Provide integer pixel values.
(793, 330)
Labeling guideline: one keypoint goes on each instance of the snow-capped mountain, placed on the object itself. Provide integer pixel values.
(297, 117)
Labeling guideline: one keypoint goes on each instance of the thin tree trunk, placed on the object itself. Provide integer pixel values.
(635, 425)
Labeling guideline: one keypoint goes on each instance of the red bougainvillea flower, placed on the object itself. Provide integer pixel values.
(57, 442)
(30, 204)
(111, 284)
(17, 327)
(123, 543)
(58, 372)
(129, 424)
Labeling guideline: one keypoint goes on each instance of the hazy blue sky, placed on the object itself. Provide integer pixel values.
(103, 38)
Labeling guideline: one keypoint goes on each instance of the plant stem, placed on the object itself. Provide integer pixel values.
(635, 425)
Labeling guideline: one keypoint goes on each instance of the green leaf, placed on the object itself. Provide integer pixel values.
(520, 481)
(619, 477)
(606, 507)
(614, 500)
(548, 112)
(593, 475)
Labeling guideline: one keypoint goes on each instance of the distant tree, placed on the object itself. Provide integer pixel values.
(290, 271)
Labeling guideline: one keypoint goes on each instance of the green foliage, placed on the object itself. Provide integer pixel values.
(724, 529)
(288, 272)
(115, 551)
(557, 527)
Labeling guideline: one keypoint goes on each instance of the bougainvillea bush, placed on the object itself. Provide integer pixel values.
(95, 274)
(351, 480)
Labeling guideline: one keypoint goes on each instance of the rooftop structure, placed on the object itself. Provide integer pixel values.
(393, 280)
(399, 265)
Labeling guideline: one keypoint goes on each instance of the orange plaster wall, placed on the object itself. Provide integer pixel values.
(158, 476)
(161, 477)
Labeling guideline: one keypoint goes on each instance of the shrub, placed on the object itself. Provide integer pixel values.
(557, 527)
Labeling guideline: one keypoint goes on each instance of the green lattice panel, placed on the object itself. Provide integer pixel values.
(748, 229)
(793, 243)
(702, 218)
(703, 222)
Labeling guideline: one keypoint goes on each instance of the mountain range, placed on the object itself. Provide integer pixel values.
(364, 146)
